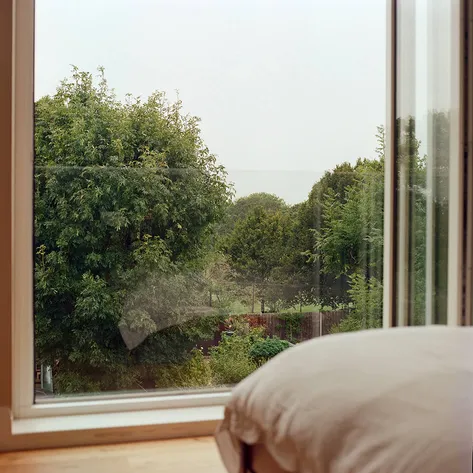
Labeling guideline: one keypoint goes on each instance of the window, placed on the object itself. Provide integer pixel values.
(161, 266)
(164, 273)
(430, 162)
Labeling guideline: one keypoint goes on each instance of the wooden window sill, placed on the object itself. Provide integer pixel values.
(189, 455)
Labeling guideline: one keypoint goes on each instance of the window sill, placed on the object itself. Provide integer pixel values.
(106, 428)
(201, 456)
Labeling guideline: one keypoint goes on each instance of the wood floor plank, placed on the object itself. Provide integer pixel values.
(193, 455)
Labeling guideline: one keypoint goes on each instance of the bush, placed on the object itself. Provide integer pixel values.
(350, 324)
(293, 323)
(238, 324)
(68, 381)
(195, 372)
(367, 313)
(230, 361)
(264, 350)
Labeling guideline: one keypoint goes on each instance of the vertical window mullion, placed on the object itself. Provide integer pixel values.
(430, 158)
(404, 126)
(390, 174)
(467, 99)
(456, 171)
(22, 247)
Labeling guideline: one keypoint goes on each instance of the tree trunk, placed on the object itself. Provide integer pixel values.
(253, 300)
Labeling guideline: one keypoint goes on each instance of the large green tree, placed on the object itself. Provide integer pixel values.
(311, 283)
(258, 252)
(349, 243)
(242, 207)
(126, 195)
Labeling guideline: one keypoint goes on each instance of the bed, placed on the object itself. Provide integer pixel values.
(378, 401)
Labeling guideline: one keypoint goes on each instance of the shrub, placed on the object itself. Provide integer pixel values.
(266, 349)
(195, 372)
(367, 313)
(293, 323)
(255, 321)
(237, 324)
(349, 324)
(230, 360)
(67, 381)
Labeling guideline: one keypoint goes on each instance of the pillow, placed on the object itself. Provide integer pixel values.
(377, 401)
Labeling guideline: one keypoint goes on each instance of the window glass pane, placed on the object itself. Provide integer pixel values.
(174, 252)
(426, 96)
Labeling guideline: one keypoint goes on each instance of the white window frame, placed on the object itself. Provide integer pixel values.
(397, 225)
(389, 257)
(122, 417)
(457, 168)
(92, 419)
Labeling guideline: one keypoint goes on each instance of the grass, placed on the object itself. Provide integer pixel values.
(238, 308)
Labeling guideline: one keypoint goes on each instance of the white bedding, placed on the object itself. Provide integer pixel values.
(380, 401)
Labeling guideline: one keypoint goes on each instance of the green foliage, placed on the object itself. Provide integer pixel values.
(230, 360)
(351, 237)
(70, 382)
(243, 206)
(268, 348)
(367, 312)
(256, 247)
(82, 380)
(350, 324)
(312, 283)
(174, 344)
(293, 325)
(126, 196)
(195, 372)
(339, 240)
(367, 296)
(226, 294)
(427, 196)
(349, 243)
(257, 250)
(140, 252)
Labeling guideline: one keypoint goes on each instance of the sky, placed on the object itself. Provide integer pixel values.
(286, 90)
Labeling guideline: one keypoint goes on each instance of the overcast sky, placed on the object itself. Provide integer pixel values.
(285, 89)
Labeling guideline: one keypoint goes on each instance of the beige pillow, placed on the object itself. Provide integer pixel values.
(378, 401)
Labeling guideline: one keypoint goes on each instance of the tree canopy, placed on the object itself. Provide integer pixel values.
(242, 207)
(141, 250)
(257, 249)
(125, 193)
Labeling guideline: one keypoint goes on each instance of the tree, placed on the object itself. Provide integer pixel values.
(126, 195)
(429, 209)
(351, 236)
(226, 294)
(243, 206)
(311, 283)
(350, 241)
(257, 249)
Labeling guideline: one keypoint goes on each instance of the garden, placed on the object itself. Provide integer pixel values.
(142, 251)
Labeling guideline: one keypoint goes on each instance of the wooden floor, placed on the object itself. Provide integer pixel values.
(195, 455)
